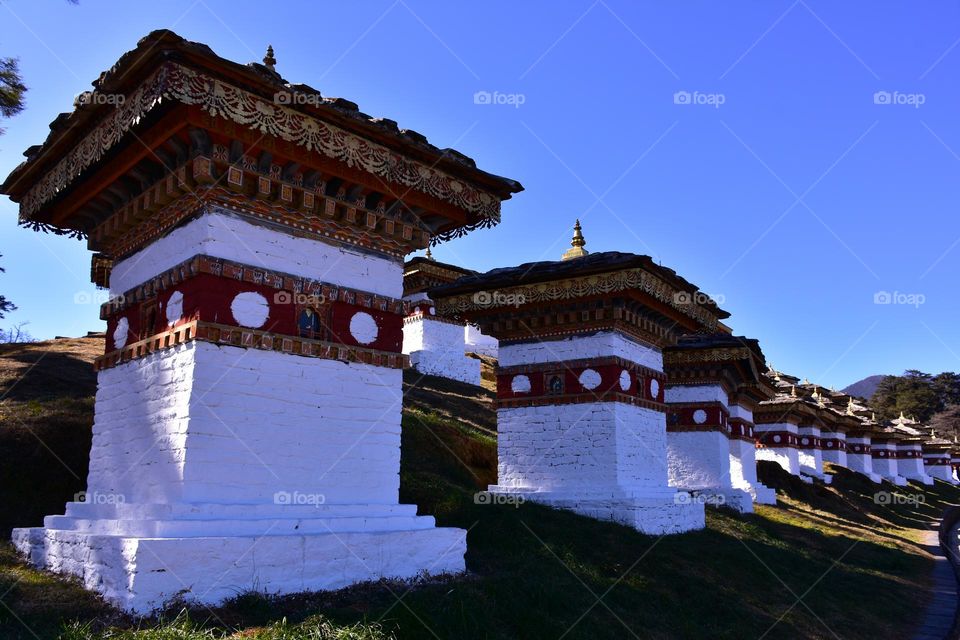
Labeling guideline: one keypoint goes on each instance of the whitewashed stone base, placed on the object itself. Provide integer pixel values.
(762, 494)
(940, 472)
(139, 565)
(913, 469)
(605, 460)
(215, 470)
(862, 462)
(453, 365)
(811, 460)
(437, 348)
(700, 461)
(743, 472)
(887, 466)
(838, 458)
(648, 511)
(786, 457)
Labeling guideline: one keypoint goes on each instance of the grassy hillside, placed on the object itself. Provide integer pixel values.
(828, 562)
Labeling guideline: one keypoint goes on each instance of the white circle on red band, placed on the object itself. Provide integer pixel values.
(120, 333)
(590, 379)
(699, 416)
(363, 327)
(776, 438)
(174, 310)
(520, 384)
(654, 388)
(250, 309)
(625, 380)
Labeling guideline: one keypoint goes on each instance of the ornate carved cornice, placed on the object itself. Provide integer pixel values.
(174, 82)
(569, 289)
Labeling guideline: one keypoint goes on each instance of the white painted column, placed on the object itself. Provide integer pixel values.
(860, 456)
(937, 465)
(743, 456)
(910, 462)
(810, 453)
(698, 444)
(777, 442)
(834, 447)
(602, 455)
(885, 461)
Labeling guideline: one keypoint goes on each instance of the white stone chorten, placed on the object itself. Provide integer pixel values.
(910, 451)
(580, 384)
(710, 381)
(936, 458)
(247, 419)
(436, 345)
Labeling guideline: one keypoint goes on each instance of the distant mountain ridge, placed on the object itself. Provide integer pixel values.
(864, 388)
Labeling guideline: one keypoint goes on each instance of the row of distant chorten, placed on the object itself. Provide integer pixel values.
(902, 427)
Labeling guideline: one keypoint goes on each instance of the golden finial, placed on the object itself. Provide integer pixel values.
(429, 256)
(576, 249)
(268, 60)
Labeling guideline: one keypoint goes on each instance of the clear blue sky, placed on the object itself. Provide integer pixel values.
(796, 200)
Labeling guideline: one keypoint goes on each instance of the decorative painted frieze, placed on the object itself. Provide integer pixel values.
(608, 379)
(174, 82)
